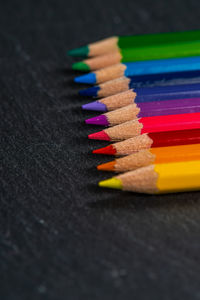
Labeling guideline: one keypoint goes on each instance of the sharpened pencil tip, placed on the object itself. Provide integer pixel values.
(108, 150)
(101, 135)
(109, 166)
(99, 120)
(87, 78)
(96, 106)
(112, 183)
(92, 92)
(80, 66)
(81, 51)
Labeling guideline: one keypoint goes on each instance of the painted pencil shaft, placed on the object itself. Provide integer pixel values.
(148, 109)
(141, 54)
(159, 178)
(118, 42)
(157, 38)
(153, 156)
(141, 68)
(161, 51)
(138, 83)
(151, 140)
(147, 125)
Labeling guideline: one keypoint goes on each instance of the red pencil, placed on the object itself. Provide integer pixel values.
(147, 125)
(151, 140)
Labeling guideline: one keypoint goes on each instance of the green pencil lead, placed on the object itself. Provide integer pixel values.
(82, 51)
(80, 66)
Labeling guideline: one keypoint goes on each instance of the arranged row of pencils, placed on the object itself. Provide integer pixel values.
(149, 90)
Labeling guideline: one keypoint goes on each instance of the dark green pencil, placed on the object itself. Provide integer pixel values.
(120, 42)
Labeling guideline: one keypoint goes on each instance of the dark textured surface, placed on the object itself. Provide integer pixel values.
(61, 237)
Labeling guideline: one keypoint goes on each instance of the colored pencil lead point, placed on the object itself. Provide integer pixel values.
(109, 166)
(112, 183)
(99, 120)
(101, 135)
(80, 66)
(108, 150)
(82, 51)
(92, 92)
(89, 78)
(96, 106)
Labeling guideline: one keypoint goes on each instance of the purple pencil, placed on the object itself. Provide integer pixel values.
(146, 109)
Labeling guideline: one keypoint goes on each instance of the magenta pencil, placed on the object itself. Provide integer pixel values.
(146, 109)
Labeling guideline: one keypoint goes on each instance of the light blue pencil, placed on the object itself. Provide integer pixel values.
(141, 68)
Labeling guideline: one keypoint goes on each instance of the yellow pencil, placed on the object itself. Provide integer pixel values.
(158, 178)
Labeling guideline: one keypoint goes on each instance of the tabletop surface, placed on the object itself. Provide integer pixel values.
(62, 237)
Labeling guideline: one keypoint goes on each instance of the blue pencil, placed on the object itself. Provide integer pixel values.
(141, 68)
(154, 80)
(159, 93)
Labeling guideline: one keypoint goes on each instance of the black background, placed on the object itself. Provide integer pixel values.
(62, 237)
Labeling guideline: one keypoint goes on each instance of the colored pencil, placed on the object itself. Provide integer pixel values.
(141, 68)
(152, 156)
(151, 140)
(148, 81)
(129, 97)
(115, 43)
(139, 54)
(148, 109)
(147, 125)
(158, 178)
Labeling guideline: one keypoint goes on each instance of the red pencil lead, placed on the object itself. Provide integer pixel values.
(109, 150)
(101, 135)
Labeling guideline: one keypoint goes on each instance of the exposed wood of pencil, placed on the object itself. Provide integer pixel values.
(114, 87)
(104, 46)
(132, 145)
(110, 73)
(125, 130)
(134, 161)
(142, 180)
(131, 162)
(124, 114)
(119, 100)
(103, 60)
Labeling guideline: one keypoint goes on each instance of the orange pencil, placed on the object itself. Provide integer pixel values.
(153, 156)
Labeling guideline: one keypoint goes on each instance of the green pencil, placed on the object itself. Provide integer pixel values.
(175, 50)
(121, 42)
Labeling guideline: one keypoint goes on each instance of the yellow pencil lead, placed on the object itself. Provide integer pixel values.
(113, 183)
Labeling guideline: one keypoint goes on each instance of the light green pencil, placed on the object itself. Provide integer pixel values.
(184, 49)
